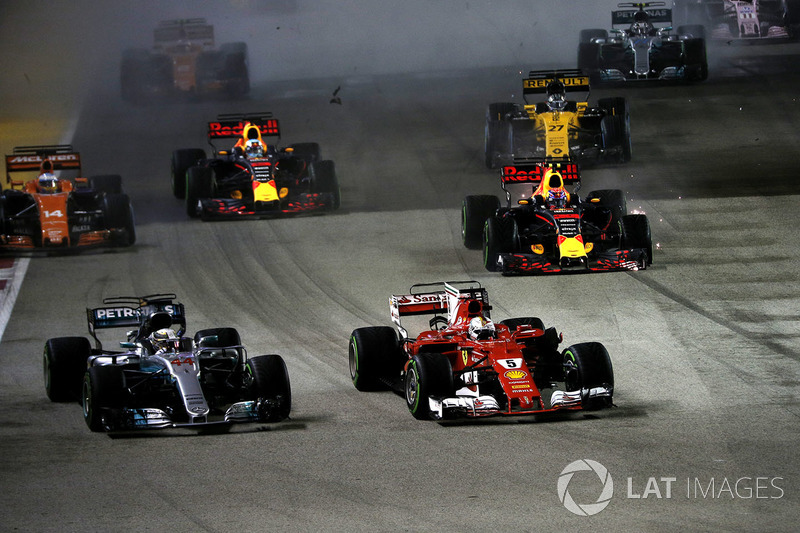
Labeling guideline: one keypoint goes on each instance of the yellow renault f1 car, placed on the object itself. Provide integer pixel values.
(557, 129)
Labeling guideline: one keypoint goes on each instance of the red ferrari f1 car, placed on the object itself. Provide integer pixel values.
(464, 365)
(55, 213)
(253, 179)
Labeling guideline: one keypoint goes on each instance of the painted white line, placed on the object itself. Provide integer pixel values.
(11, 291)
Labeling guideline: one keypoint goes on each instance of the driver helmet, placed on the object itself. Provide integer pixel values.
(556, 95)
(641, 24)
(164, 340)
(481, 329)
(48, 183)
(557, 198)
(254, 148)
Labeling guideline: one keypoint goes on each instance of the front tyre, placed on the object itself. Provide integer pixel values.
(500, 235)
(199, 186)
(586, 366)
(427, 375)
(64, 363)
(183, 160)
(103, 388)
(474, 212)
(270, 387)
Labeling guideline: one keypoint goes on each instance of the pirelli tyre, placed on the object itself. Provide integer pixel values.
(616, 134)
(64, 363)
(308, 152)
(217, 338)
(695, 60)
(324, 180)
(183, 160)
(375, 358)
(500, 235)
(589, 59)
(615, 105)
(586, 366)
(427, 375)
(199, 186)
(118, 215)
(270, 387)
(474, 212)
(107, 183)
(611, 199)
(636, 234)
(103, 390)
(496, 133)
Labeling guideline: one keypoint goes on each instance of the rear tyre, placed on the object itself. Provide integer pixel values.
(586, 366)
(182, 160)
(496, 141)
(270, 386)
(199, 186)
(324, 180)
(616, 134)
(64, 363)
(695, 60)
(613, 200)
(697, 31)
(589, 58)
(108, 183)
(118, 214)
(587, 36)
(103, 389)
(427, 375)
(500, 235)
(474, 212)
(636, 234)
(308, 152)
(375, 358)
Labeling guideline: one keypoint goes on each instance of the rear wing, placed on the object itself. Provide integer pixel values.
(435, 299)
(195, 31)
(231, 125)
(655, 16)
(574, 80)
(29, 159)
(132, 312)
(526, 171)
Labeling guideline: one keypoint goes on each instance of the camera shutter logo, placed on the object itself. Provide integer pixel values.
(586, 509)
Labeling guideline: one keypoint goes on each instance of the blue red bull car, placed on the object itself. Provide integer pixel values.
(253, 178)
(546, 228)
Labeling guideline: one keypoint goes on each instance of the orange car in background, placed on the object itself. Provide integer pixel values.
(184, 60)
(52, 212)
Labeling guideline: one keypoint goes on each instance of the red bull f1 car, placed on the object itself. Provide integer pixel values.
(253, 178)
(464, 365)
(743, 21)
(642, 51)
(53, 212)
(184, 61)
(161, 378)
(545, 228)
(557, 128)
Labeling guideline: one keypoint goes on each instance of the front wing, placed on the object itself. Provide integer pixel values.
(633, 259)
(230, 208)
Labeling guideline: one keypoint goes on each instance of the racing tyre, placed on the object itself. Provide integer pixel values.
(64, 363)
(182, 160)
(500, 235)
(199, 185)
(109, 183)
(695, 60)
(791, 16)
(236, 71)
(427, 375)
(697, 31)
(589, 58)
(474, 212)
(612, 199)
(496, 136)
(586, 36)
(270, 386)
(514, 323)
(587, 365)
(375, 358)
(103, 389)
(308, 152)
(616, 133)
(636, 234)
(118, 214)
(617, 105)
(324, 180)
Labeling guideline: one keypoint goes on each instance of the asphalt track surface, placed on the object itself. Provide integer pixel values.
(704, 343)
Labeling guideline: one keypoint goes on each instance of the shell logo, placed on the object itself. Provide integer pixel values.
(516, 374)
